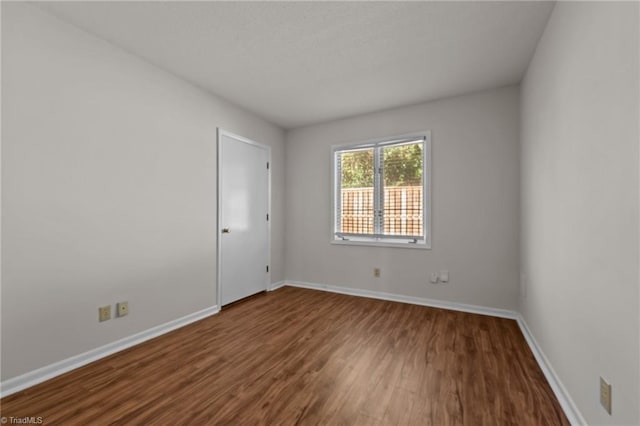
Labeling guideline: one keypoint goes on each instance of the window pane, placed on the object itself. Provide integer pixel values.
(356, 191)
(402, 208)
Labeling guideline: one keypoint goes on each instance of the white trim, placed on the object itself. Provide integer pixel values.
(275, 286)
(566, 403)
(40, 375)
(564, 398)
(50, 371)
(380, 243)
(454, 306)
(267, 148)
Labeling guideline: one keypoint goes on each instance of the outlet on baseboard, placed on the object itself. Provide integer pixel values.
(376, 272)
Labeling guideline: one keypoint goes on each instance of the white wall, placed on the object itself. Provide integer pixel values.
(579, 206)
(475, 203)
(108, 190)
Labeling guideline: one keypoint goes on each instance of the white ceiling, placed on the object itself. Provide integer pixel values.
(297, 63)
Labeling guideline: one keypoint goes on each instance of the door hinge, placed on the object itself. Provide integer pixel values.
(267, 216)
(267, 165)
(267, 268)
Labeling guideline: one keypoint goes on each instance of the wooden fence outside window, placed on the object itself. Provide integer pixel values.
(402, 210)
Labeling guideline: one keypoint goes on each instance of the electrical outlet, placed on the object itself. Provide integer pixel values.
(434, 278)
(122, 309)
(605, 395)
(444, 276)
(376, 272)
(104, 313)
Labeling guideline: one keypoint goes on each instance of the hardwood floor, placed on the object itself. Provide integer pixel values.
(298, 356)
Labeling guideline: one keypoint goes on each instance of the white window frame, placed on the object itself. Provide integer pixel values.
(385, 241)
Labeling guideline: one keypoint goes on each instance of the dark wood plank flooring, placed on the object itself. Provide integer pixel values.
(298, 356)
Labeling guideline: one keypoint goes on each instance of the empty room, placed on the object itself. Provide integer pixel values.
(320, 213)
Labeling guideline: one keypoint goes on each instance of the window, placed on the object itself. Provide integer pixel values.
(381, 192)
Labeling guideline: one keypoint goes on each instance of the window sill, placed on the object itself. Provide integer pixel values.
(402, 245)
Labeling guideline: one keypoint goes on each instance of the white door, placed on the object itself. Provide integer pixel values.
(243, 221)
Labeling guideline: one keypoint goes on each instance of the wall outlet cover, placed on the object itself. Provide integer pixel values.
(122, 309)
(605, 395)
(104, 313)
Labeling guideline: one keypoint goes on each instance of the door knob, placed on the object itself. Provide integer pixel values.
(226, 230)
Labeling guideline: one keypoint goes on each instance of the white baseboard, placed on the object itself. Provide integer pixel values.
(475, 309)
(40, 375)
(567, 404)
(564, 398)
(275, 286)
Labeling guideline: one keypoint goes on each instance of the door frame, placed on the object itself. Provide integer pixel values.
(220, 133)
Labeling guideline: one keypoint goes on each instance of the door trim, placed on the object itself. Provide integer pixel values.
(220, 133)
